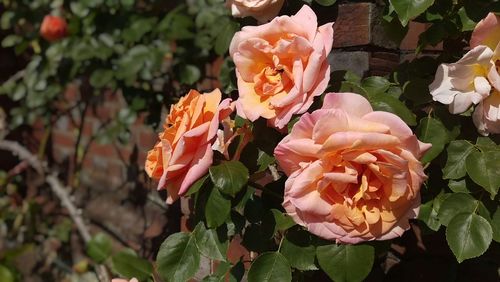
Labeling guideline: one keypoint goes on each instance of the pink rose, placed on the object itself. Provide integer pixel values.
(354, 174)
(184, 152)
(262, 10)
(486, 115)
(281, 66)
(486, 32)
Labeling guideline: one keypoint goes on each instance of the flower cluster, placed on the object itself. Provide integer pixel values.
(474, 79)
(353, 173)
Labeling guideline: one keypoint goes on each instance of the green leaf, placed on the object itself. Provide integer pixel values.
(485, 144)
(297, 247)
(209, 243)
(178, 258)
(410, 9)
(456, 203)
(197, 185)
(468, 236)
(270, 267)
(458, 151)
(5, 274)
(429, 215)
(458, 186)
(483, 168)
(224, 37)
(495, 224)
(217, 209)
(101, 78)
(375, 85)
(346, 262)
(11, 40)
(467, 23)
(99, 247)
(283, 221)
(189, 74)
(431, 130)
(390, 104)
(130, 265)
(325, 3)
(264, 161)
(229, 177)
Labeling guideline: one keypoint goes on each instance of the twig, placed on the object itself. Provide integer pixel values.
(23, 154)
(74, 213)
(60, 191)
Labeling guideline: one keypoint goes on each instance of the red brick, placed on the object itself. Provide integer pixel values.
(38, 130)
(383, 63)
(410, 42)
(142, 157)
(102, 150)
(353, 25)
(147, 138)
(88, 127)
(235, 251)
(63, 139)
(72, 94)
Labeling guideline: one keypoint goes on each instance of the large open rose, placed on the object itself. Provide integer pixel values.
(354, 173)
(262, 10)
(281, 66)
(184, 152)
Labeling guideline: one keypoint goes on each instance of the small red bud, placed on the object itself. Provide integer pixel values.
(53, 28)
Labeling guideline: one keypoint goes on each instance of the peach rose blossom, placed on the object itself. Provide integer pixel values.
(281, 66)
(354, 173)
(53, 28)
(124, 280)
(262, 10)
(486, 32)
(184, 152)
(467, 81)
(486, 115)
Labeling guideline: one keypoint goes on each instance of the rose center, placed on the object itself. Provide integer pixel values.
(272, 81)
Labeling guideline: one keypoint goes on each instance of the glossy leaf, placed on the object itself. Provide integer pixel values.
(458, 151)
(390, 104)
(453, 205)
(431, 130)
(297, 247)
(217, 209)
(229, 177)
(468, 236)
(209, 243)
(495, 224)
(349, 263)
(483, 168)
(178, 258)
(375, 85)
(99, 247)
(129, 265)
(270, 267)
(410, 9)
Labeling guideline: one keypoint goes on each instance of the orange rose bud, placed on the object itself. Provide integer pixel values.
(53, 28)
